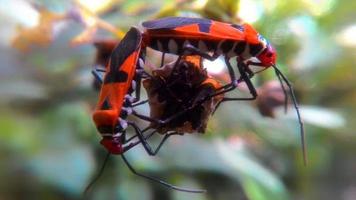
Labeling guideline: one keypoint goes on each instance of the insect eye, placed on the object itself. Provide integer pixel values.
(269, 54)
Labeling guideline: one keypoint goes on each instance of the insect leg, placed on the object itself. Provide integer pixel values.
(146, 118)
(191, 50)
(144, 142)
(159, 181)
(228, 87)
(140, 103)
(247, 80)
(126, 148)
(144, 130)
(162, 59)
(139, 72)
(280, 81)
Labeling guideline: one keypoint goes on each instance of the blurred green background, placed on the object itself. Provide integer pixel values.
(49, 147)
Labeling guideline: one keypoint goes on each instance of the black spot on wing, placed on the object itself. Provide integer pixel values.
(254, 49)
(106, 105)
(238, 27)
(116, 77)
(204, 27)
(174, 22)
(129, 44)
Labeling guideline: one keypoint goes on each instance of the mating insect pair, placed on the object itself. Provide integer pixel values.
(181, 36)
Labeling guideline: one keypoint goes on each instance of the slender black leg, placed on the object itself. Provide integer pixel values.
(191, 50)
(234, 82)
(145, 143)
(302, 133)
(137, 89)
(232, 85)
(143, 73)
(247, 80)
(226, 88)
(162, 59)
(279, 79)
(159, 181)
(146, 118)
(245, 77)
(137, 142)
(139, 103)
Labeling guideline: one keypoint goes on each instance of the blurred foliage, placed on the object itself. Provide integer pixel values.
(49, 146)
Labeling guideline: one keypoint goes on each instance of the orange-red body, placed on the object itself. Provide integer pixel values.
(117, 84)
(168, 35)
(171, 34)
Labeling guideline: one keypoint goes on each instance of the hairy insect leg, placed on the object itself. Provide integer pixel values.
(158, 180)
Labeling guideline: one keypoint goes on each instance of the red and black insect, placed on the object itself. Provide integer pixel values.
(194, 36)
(122, 78)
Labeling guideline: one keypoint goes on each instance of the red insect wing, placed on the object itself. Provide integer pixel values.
(226, 31)
(115, 93)
(118, 79)
(192, 28)
(251, 34)
(199, 30)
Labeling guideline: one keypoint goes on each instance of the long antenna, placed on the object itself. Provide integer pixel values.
(285, 94)
(159, 181)
(280, 75)
(98, 175)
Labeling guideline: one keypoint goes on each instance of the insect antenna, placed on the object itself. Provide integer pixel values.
(159, 181)
(284, 92)
(280, 76)
(98, 175)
